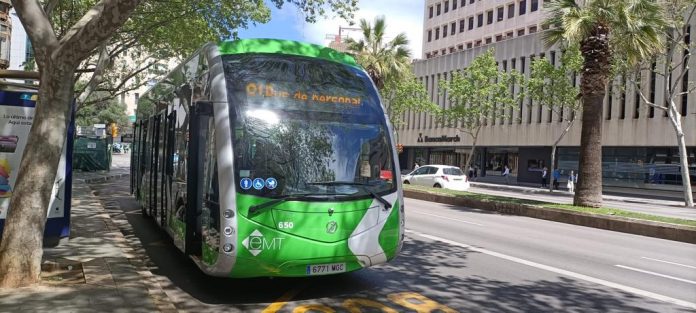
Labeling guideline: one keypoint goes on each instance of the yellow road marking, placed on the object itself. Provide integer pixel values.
(280, 302)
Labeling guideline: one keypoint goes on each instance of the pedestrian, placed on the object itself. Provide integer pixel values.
(556, 178)
(544, 176)
(471, 172)
(506, 174)
(415, 167)
(571, 181)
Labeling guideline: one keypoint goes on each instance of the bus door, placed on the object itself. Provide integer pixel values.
(168, 172)
(158, 166)
(201, 114)
(133, 160)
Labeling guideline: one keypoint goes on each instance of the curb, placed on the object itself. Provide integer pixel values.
(613, 223)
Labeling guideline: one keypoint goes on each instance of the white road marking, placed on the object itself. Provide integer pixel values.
(636, 291)
(447, 218)
(668, 262)
(656, 274)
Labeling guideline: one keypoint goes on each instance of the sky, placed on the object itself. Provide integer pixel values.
(288, 23)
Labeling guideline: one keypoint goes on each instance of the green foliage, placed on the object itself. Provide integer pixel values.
(405, 94)
(382, 60)
(176, 28)
(633, 25)
(552, 86)
(108, 111)
(478, 91)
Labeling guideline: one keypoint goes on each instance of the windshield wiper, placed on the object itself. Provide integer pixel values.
(256, 209)
(363, 186)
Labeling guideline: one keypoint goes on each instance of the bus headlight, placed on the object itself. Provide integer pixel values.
(228, 247)
(229, 214)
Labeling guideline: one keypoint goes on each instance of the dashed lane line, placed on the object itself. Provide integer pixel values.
(556, 270)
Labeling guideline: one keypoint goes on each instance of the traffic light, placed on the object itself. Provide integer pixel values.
(114, 130)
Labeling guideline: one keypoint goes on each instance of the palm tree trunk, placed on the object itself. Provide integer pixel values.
(595, 50)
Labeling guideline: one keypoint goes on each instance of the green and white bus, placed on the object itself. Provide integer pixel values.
(265, 157)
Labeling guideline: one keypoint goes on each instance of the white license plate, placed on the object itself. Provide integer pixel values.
(323, 269)
(458, 178)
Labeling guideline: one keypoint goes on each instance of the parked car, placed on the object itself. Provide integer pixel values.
(438, 176)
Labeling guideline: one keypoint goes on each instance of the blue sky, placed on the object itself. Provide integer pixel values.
(288, 23)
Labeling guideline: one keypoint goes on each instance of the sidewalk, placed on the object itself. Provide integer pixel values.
(97, 270)
(637, 204)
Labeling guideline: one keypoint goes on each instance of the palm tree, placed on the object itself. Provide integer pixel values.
(382, 60)
(605, 30)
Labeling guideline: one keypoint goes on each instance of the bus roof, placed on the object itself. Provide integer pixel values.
(264, 45)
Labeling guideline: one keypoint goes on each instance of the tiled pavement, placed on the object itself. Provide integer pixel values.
(97, 270)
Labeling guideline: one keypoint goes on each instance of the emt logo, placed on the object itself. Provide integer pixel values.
(256, 243)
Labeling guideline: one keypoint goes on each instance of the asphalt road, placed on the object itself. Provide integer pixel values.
(454, 260)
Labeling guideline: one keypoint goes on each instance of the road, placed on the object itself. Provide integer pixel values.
(454, 259)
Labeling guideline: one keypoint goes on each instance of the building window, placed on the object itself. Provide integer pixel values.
(443, 51)
(437, 33)
(462, 26)
(622, 100)
(490, 17)
(478, 43)
(471, 23)
(653, 77)
(471, 1)
(427, 55)
(532, 29)
(511, 10)
(523, 7)
(469, 45)
(453, 28)
(460, 47)
(509, 35)
(521, 103)
(501, 14)
(137, 98)
(454, 5)
(463, 3)
(685, 79)
(444, 31)
(452, 49)
(535, 6)
(446, 6)
(498, 37)
(610, 98)
(520, 32)
(489, 40)
(636, 104)
(439, 7)
(430, 15)
(479, 22)
(430, 35)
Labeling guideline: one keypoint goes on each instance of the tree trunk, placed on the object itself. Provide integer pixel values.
(675, 118)
(22, 241)
(474, 137)
(555, 144)
(595, 50)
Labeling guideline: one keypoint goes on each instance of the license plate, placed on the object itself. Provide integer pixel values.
(324, 269)
(458, 178)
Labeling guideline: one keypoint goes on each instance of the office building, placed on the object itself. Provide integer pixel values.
(639, 143)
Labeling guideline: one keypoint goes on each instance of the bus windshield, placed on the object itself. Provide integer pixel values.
(304, 126)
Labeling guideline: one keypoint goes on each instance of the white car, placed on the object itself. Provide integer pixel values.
(438, 176)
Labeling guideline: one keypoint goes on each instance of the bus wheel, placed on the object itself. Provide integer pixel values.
(437, 186)
(407, 182)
